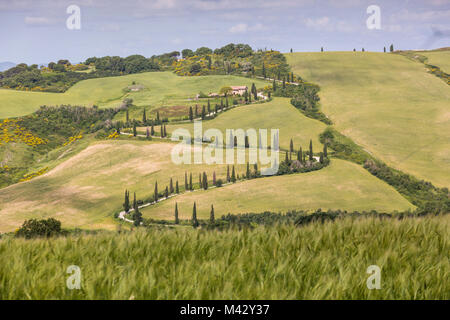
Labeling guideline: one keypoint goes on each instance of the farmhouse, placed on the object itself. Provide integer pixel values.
(239, 90)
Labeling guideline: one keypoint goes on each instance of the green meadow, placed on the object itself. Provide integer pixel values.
(87, 188)
(347, 186)
(386, 103)
(160, 89)
(438, 58)
(318, 261)
(276, 114)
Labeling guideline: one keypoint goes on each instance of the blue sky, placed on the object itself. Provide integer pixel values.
(34, 31)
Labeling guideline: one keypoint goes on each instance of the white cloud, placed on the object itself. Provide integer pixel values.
(243, 27)
(322, 23)
(37, 21)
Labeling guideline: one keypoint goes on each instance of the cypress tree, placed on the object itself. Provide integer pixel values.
(300, 155)
(384, 49)
(391, 48)
(152, 130)
(196, 111)
(214, 178)
(291, 146)
(177, 188)
(228, 173)
(274, 85)
(144, 117)
(127, 116)
(221, 104)
(264, 70)
(211, 215)
(191, 115)
(137, 216)
(177, 221)
(321, 157)
(126, 203)
(156, 192)
(209, 109)
(203, 112)
(148, 133)
(186, 188)
(171, 186)
(321, 49)
(161, 131)
(165, 131)
(227, 105)
(310, 150)
(284, 83)
(286, 160)
(205, 181)
(191, 187)
(166, 192)
(200, 184)
(134, 129)
(134, 201)
(248, 171)
(325, 151)
(194, 216)
(157, 117)
(233, 175)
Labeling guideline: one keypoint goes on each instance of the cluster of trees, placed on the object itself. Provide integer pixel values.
(34, 228)
(118, 65)
(304, 96)
(303, 161)
(137, 215)
(60, 76)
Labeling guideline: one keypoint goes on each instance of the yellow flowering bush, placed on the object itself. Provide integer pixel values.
(30, 176)
(73, 139)
(114, 135)
(11, 131)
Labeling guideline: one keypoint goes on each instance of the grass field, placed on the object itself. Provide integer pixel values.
(318, 261)
(347, 186)
(161, 89)
(388, 104)
(440, 58)
(276, 114)
(85, 190)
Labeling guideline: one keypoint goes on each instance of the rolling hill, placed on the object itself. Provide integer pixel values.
(159, 89)
(388, 104)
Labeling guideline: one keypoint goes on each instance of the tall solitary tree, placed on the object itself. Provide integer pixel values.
(177, 221)
(325, 151)
(211, 215)
(228, 173)
(152, 130)
(233, 175)
(171, 186)
(186, 188)
(126, 204)
(391, 48)
(310, 150)
(144, 117)
(155, 196)
(194, 216)
(191, 114)
(134, 129)
(191, 187)
(205, 181)
(177, 188)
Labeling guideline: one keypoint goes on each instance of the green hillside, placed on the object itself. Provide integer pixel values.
(386, 103)
(159, 89)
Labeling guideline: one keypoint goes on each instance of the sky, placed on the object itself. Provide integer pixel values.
(35, 31)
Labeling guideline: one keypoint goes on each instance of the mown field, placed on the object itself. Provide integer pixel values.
(276, 114)
(318, 261)
(160, 89)
(347, 186)
(388, 104)
(439, 58)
